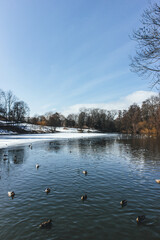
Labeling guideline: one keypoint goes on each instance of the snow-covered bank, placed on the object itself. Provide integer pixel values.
(27, 128)
(5, 132)
(14, 140)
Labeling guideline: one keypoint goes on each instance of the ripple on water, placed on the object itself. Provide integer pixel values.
(117, 170)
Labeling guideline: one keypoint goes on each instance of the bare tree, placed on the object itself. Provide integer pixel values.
(146, 61)
(2, 104)
(55, 120)
(81, 119)
(9, 100)
(20, 111)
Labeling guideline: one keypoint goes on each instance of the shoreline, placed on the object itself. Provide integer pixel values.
(23, 139)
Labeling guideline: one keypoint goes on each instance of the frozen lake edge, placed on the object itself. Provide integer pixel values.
(22, 139)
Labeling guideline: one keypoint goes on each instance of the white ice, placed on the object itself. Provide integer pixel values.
(14, 140)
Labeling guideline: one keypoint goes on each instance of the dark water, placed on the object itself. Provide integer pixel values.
(119, 167)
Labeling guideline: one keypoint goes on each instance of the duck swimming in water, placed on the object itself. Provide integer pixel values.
(85, 172)
(84, 197)
(157, 180)
(37, 165)
(123, 203)
(140, 219)
(30, 146)
(11, 194)
(46, 224)
(47, 190)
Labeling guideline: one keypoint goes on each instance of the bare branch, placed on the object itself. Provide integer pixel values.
(146, 62)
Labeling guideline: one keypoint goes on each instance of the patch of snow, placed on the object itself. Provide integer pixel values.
(45, 129)
(32, 127)
(11, 140)
(5, 132)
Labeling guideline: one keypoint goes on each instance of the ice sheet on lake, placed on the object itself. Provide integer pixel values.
(13, 140)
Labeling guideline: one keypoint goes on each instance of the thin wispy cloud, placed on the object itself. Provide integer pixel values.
(76, 53)
(82, 89)
(123, 103)
(47, 108)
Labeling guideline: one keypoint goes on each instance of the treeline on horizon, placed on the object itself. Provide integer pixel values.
(134, 120)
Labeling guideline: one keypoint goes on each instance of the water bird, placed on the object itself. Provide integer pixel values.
(11, 194)
(140, 219)
(30, 146)
(47, 190)
(5, 155)
(4, 158)
(84, 197)
(123, 203)
(85, 172)
(46, 224)
(157, 180)
(37, 165)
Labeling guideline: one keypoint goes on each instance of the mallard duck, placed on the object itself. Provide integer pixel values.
(140, 219)
(84, 197)
(47, 190)
(11, 194)
(4, 158)
(46, 224)
(157, 180)
(123, 203)
(85, 172)
(37, 165)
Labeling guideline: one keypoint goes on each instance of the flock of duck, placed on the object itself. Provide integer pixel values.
(47, 224)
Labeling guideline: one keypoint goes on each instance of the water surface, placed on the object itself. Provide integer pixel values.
(119, 167)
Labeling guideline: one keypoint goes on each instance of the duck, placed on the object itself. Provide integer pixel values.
(140, 219)
(30, 146)
(84, 197)
(11, 194)
(46, 224)
(85, 172)
(4, 158)
(37, 165)
(157, 180)
(123, 203)
(47, 190)
(5, 155)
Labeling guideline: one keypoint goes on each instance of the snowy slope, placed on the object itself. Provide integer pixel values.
(8, 138)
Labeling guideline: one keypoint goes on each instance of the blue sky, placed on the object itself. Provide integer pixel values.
(59, 55)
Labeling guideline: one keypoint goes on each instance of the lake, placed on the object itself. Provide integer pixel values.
(119, 167)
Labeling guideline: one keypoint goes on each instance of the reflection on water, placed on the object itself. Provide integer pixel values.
(119, 167)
